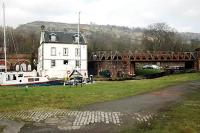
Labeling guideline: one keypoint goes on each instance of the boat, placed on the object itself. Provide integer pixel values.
(22, 78)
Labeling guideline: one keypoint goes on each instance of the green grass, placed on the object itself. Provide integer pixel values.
(184, 118)
(181, 118)
(1, 128)
(147, 71)
(19, 98)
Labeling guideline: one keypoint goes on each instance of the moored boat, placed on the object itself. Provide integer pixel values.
(25, 78)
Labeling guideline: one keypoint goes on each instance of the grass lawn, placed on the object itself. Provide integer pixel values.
(1, 128)
(182, 118)
(20, 98)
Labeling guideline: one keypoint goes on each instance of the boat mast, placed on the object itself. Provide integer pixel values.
(4, 34)
(79, 38)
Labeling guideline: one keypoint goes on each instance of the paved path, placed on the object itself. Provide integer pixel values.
(101, 117)
(150, 101)
(11, 126)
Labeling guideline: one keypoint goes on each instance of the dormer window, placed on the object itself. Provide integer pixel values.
(53, 37)
(75, 38)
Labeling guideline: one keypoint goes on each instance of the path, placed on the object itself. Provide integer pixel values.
(102, 117)
(150, 101)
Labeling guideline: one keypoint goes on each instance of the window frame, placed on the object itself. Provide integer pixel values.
(53, 63)
(53, 53)
(77, 52)
(77, 63)
(65, 63)
(65, 51)
(53, 37)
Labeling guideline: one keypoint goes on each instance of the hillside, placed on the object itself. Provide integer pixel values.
(134, 34)
(25, 38)
(101, 37)
(73, 27)
(117, 31)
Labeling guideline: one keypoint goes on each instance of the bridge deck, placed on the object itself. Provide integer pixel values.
(142, 56)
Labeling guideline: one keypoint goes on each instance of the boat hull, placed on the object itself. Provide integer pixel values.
(48, 83)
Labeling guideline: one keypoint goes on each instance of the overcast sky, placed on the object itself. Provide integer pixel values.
(183, 15)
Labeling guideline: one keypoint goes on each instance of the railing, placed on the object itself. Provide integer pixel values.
(141, 56)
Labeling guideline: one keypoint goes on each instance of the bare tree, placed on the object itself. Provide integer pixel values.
(161, 37)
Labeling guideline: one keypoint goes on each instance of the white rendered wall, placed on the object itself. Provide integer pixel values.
(60, 70)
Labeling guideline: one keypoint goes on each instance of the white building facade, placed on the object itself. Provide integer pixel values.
(60, 54)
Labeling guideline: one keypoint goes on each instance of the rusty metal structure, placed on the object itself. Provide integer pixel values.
(123, 63)
(141, 56)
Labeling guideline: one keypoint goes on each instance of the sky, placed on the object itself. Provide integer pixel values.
(183, 15)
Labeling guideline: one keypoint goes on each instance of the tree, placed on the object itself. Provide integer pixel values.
(161, 37)
(195, 43)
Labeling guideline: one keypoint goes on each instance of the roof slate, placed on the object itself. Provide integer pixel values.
(62, 37)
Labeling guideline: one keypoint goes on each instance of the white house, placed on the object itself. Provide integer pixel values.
(59, 54)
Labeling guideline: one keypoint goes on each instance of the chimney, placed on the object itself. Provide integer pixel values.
(42, 38)
(42, 28)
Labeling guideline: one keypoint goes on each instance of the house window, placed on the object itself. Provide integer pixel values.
(77, 52)
(53, 51)
(65, 62)
(20, 75)
(65, 51)
(17, 68)
(30, 79)
(37, 79)
(75, 38)
(77, 63)
(29, 67)
(53, 63)
(23, 67)
(7, 77)
(53, 37)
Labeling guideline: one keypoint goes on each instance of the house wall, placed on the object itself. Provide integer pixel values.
(60, 70)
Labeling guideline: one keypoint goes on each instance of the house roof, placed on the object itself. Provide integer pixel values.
(62, 37)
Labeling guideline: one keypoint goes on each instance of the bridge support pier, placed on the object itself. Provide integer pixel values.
(118, 69)
(197, 62)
